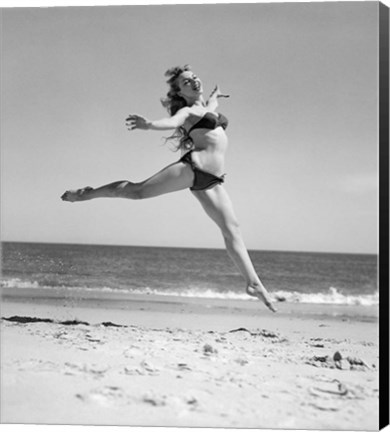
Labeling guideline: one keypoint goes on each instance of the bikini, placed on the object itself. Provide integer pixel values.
(202, 179)
(210, 121)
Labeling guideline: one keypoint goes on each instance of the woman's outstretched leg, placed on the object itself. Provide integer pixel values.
(172, 178)
(218, 206)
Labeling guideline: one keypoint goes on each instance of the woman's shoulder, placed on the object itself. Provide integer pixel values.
(191, 113)
(184, 110)
(198, 111)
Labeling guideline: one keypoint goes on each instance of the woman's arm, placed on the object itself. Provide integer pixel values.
(135, 121)
(212, 102)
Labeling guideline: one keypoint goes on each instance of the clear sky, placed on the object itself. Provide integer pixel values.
(302, 165)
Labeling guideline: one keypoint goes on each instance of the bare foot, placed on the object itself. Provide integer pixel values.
(261, 293)
(77, 195)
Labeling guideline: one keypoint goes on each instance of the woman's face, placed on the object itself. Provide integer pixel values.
(190, 85)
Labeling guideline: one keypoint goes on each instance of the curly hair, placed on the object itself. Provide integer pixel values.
(173, 103)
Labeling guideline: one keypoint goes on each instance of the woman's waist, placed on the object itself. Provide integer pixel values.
(210, 145)
(209, 159)
(204, 138)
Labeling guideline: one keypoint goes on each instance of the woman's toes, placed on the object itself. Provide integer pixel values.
(76, 195)
(262, 294)
(65, 197)
(270, 306)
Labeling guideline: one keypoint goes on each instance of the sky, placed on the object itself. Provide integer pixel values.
(302, 164)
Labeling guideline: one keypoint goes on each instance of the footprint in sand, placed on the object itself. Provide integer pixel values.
(332, 395)
(150, 368)
(84, 369)
(330, 389)
(36, 365)
(94, 339)
(154, 399)
(105, 396)
(325, 406)
(182, 404)
(132, 352)
(62, 335)
(145, 368)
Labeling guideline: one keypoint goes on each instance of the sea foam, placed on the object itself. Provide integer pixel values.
(332, 297)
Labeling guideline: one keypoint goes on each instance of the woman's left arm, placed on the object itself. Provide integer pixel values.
(212, 102)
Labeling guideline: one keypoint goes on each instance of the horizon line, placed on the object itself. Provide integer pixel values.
(188, 247)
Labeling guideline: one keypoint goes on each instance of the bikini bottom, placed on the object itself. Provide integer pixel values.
(203, 180)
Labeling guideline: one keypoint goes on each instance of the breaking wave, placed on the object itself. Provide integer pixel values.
(332, 297)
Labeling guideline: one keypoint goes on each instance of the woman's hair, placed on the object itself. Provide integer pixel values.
(173, 103)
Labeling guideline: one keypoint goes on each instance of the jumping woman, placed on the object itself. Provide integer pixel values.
(200, 131)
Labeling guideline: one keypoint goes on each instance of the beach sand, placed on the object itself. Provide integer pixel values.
(165, 361)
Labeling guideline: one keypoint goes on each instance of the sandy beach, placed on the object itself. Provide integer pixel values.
(169, 361)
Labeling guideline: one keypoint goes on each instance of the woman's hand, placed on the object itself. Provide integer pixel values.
(216, 93)
(212, 102)
(135, 121)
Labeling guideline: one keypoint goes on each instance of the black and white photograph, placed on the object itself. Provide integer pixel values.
(190, 215)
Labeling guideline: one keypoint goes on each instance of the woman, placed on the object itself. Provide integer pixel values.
(203, 141)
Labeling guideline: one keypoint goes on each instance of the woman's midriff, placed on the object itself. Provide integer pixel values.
(209, 150)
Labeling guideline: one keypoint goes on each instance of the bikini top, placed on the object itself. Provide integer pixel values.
(210, 121)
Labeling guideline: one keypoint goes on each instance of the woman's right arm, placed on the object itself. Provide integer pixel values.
(135, 121)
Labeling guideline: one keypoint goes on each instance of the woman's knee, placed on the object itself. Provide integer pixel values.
(138, 191)
(231, 230)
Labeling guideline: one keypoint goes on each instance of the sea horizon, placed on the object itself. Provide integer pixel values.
(189, 247)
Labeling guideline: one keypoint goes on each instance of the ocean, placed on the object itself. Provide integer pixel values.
(296, 277)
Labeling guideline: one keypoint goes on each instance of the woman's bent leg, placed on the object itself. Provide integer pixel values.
(218, 206)
(172, 178)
